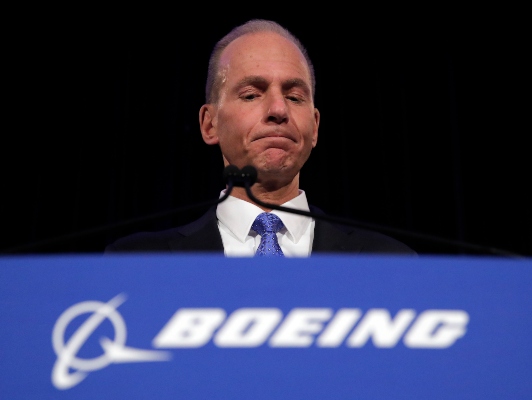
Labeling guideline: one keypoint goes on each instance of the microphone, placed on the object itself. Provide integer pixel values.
(240, 177)
(248, 176)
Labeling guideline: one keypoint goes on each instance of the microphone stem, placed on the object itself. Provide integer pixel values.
(380, 228)
(119, 225)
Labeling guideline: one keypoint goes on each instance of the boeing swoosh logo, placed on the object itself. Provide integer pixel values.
(114, 351)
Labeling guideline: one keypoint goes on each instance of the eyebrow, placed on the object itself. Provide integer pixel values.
(298, 83)
(259, 81)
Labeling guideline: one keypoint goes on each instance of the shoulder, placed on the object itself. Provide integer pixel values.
(186, 237)
(348, 237)
(144, 241)
(376, 242)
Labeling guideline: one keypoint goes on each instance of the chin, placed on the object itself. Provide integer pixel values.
(277, 165)
(274, 165)
(277, 174)
(274, 159)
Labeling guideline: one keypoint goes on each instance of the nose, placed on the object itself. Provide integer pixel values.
(277, 108)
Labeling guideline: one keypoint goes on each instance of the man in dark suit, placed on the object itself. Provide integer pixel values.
(260, 111)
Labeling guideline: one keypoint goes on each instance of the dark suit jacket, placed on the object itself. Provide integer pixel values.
(203, 235)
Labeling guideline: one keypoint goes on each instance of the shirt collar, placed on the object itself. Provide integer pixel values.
(295, 225)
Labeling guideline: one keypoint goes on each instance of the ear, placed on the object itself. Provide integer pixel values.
(207, 121)
(316, 126)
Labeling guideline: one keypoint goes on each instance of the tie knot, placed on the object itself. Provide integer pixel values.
(267, 222)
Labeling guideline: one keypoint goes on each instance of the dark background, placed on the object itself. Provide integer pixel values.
(424, 124)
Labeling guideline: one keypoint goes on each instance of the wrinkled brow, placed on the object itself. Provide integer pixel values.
(252, 80)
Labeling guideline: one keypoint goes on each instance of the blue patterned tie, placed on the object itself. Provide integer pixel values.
(267, 225)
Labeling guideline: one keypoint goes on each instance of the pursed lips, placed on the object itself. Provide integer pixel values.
(275, 135)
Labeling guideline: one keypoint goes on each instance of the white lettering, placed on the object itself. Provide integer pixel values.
(437, 329)
(189, 327)
(248, 327)
(245, 327)
(336, 331)
(378, 324)
(298, 327)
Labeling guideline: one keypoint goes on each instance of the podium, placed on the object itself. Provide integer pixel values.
(202, 326)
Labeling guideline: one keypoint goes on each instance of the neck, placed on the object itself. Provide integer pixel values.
(269, 193)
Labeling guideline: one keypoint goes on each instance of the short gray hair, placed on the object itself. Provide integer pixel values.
(212, 88)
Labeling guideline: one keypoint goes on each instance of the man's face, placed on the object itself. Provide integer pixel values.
(265, 114)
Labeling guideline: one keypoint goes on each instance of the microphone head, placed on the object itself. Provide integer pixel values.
(249, 174)
(231, 173)
(239, 177)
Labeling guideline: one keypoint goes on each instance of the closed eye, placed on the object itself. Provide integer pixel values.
(250, 96)
(294, 99)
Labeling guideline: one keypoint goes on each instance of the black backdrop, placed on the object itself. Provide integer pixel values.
(423, 127)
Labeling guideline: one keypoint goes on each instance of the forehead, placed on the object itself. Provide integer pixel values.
(263, 53)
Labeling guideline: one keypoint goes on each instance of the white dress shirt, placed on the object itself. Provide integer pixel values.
(236, 216)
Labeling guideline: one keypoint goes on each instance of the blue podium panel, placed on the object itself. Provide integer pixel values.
(209, 327)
